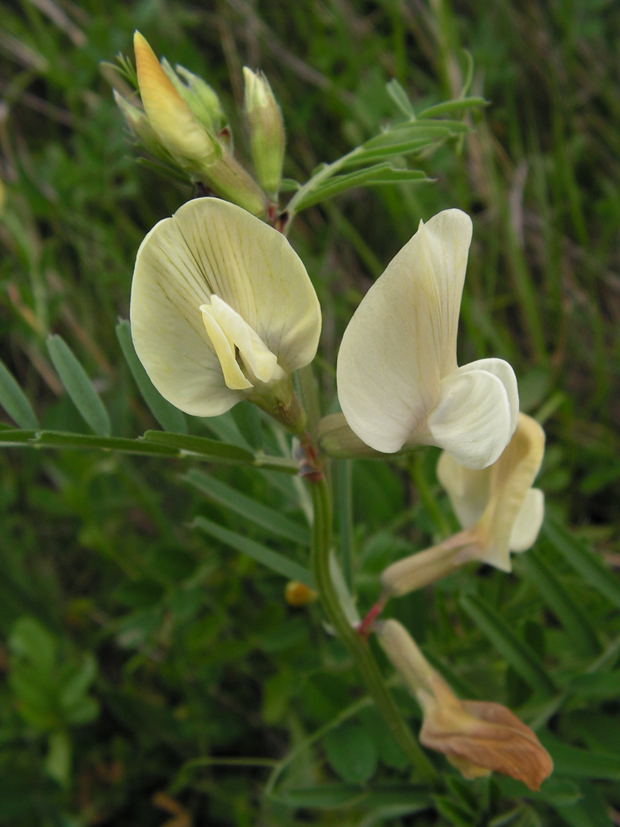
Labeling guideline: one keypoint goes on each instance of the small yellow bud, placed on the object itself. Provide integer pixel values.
(198, 95)
(168, 114)
(297, 594)
(266, 130)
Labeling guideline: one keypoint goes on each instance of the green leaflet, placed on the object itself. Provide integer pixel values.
(78, 386)
(276, 562)
(15, 437)
(14, 400)
(257, 513)
(216, 451)
(449, 107)
(400, 98)
(169, 417)
(383, 173)
(519, 655)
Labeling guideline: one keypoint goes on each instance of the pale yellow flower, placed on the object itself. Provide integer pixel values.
(222, 310)
(499, 509)
(498, 504)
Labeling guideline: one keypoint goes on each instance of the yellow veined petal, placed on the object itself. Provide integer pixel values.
(402, 338)
(254, 269)
(168, 114)
(471, 420)
(210, 246)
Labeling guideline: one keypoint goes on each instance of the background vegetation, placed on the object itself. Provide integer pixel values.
(134, 644)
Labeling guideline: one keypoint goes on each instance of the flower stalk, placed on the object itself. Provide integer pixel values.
(356, 644)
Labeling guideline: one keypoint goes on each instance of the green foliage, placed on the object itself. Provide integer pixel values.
(144, 657)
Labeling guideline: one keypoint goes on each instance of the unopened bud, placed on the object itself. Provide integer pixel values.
(169, 115)
(266, 130)
(198, 95)
(298, 594)
(193, 146)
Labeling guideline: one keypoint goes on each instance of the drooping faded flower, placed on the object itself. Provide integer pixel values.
(497, 506)
(222, 309)
(477, 737)
(398, 380)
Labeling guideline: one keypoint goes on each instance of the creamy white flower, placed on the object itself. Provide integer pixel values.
(398, 380)
(222, 309)
(498, 503)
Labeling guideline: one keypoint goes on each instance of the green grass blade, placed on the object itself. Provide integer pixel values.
(250, 509)
(169, 417)
(560, 601)
(580, 763)
(519, 655)
(78, 386)
(14, 400)
(582, 560)
(276, 562)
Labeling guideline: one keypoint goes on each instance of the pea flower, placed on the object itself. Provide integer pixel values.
(398, 380)
(477, 737)
(497, 506)
(222, 309)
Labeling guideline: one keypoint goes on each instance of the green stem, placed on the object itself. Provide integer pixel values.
(355, 643)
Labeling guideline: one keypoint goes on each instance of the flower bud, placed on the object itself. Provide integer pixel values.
(266, 130)
(297, 594)
(140, 127)
(184, 130)
(198, 95)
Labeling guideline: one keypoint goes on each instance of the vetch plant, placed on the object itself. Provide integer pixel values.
(223, 313)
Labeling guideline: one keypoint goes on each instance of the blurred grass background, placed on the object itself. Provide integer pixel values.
(192, 654)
